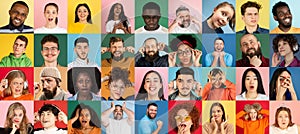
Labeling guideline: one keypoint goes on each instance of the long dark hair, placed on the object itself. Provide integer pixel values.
(260, 87)
(222, 108)
(122, 16)
(142, 94)
(89, 18)
(273, 83)
(94, 117)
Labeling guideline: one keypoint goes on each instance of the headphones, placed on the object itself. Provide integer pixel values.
(295, 47)
(25, 84)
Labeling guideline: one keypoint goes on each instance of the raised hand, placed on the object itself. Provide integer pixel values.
(63, 117)
(104, 50)
(275, 59)
(172, 59)
(196, 57)
(255, 61)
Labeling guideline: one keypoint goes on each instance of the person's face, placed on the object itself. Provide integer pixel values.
(151, 112)
(284, 48)
(185, 17)
(283, 78)
(152, 84)
(49, 86)
(185, 83)
(117, 89)
(217, 113)
(251, 82)
(118, 113)
(117, 10)
(17, 86)
(219, 45)
(251, 16)
(48, 119)
(151, 18)
(250, 45)
(117, 49)
(184, 53)
(222, 16)
(82, 50)
(217, 80)
(19, 47)
(183, 120)
(50, 14)
(50, 52)
(18, 116)
(151, 47)
(18, 14)
(82, 13)
(85, 118)
(253, 115)
(284, 16)
(283, 119)
(84, 83)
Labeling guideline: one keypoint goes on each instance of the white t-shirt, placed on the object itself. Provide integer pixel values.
(161, 29)
(290, 130)
(193, 28)
(51, 131)
(50, 30)
(118, 127)
(110, 26)
(259, 97)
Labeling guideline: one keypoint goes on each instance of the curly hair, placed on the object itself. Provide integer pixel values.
(94, 117)
(142, 94)
(291, 39)
(191, 109)
(278, 5)
(119, 74)
(256, 106)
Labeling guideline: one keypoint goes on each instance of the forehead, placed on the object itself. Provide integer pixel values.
(250, 73)
(248, 37)
(19, 41)
(20, 7)
(153, 107)
(185, 76)
(82, 8)
(227, 9)
(47, 78)
(152, 75)
(182, 112)
(50, 7)
(18, 111)
(50, 44)
(47, 112)
(184, 12)
(118, 108)
(214, 108)
(283, 112)
(150, 42)
(118, 82)
(151, 12)
(85, 111)
(252, 110)
(119, 43)
(83, 74)
(117, 6)
(251, 10)
(219, 42)
(82, 44)
(18, 79)
(183, 47)
(285, 73)
(282, 8)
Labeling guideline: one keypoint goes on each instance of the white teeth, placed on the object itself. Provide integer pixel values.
(17, 21)
(287, 20)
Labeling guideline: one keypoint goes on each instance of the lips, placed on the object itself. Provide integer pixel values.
(50, 19)
(16, 121)
(287, 20)
(17, 21)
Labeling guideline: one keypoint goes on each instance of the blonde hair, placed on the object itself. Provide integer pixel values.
(10, 114)
(10, 77)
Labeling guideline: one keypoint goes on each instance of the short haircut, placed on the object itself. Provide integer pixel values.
(152, 104)
(81, 40)
(245, 35)
(22, 38)
(220, 38)
(151, 5)
(151, 38)
(278, 5)
(49, 107)
(250, 4)
(113, 40)
(181, 8)
(50, 38)
(21, 3)
(185, 71)
(291, 39)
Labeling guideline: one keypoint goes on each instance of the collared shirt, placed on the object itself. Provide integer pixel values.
(12, 61)
(94, 97)
(246, 63)
(258, 30)
(12, 29)
(174, 95)
(147, 125)
(259, 97)
(292, 30)
(294, 63)
(82, 63)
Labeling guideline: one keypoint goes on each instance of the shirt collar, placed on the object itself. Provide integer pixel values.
(12, 27)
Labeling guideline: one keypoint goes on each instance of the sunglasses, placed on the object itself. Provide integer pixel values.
(179, 118)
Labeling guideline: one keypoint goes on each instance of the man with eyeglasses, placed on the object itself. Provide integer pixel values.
(184, 87)
(18, 58)
(148, 124)
(251, 52)
(218, 58)
(151, 15)
(184, 49)
(18, 14)
(118, 124)
(282, 13)
(148, 55)
(49, 86)
(185, 22)
(50, 51)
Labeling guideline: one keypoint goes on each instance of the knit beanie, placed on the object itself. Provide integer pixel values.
(51, 72)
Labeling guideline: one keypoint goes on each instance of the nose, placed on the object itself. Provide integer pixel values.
(84, 84)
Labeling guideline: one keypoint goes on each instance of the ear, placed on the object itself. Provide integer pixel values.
(275, 18)
(258, 42)
(243, 17)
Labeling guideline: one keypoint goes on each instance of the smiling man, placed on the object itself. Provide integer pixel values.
(250, 16)
(50, 51)
(151, 15)
(282, 13)
(18, 58)
(148, 124)
(18, 14)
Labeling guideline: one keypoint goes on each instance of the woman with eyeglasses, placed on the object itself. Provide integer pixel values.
(184, 118)
(218, 124)
(184, 49)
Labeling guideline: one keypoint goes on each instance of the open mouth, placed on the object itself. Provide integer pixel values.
(50, 19)
(287, 20)
(251, 87)
(17, 21)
